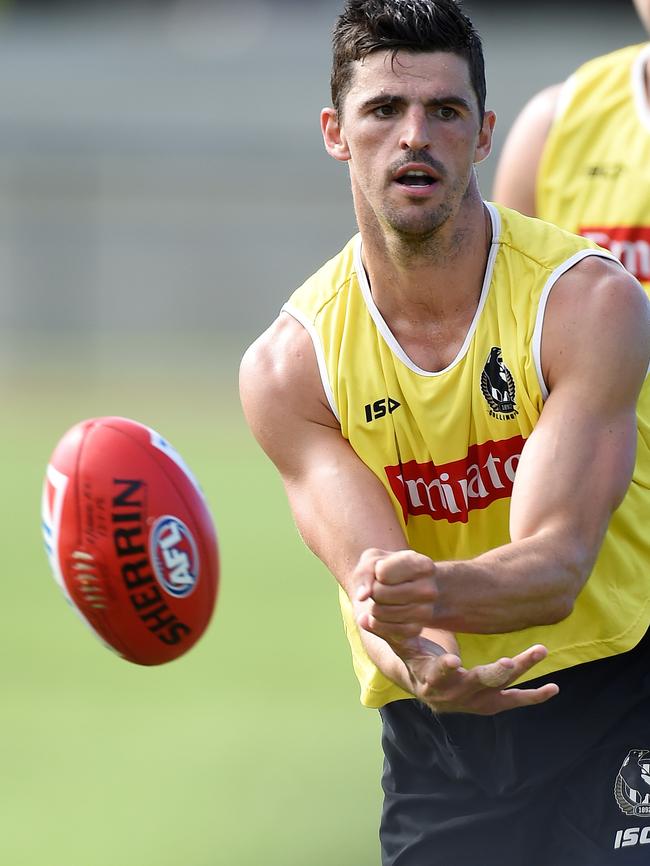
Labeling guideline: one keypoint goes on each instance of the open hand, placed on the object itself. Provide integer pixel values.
(439, 679)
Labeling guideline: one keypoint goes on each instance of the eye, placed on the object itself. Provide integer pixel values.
(384, 110)
(446, 112)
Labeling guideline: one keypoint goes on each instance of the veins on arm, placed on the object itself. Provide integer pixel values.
(576, 466)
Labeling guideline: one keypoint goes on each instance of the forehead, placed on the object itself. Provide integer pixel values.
(411, 74)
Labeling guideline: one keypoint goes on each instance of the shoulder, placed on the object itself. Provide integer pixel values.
(600, 286)
(546, 244)
(280, 387)
(598, 321)
(280, 365)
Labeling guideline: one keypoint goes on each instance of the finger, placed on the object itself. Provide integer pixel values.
(421, 613)
(413, 591)
(362, 620)
(445, 673)
(497, 674)
(389, 631)
(506, 670)
(527, 659)
(492, 703)
(364, 591)
(403, 566)
(512, 698)
(364, 572)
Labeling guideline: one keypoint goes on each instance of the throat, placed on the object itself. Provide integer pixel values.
(435, 347)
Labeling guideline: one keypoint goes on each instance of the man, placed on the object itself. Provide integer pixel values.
(456, 432)
(578, 155)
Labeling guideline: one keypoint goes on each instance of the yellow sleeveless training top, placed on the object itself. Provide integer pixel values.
(594, 175)
(446, 445)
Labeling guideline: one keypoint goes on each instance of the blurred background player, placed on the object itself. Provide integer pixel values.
(579, 154)
(449, 343)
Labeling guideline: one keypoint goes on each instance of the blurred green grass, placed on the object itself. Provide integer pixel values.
(251, 749)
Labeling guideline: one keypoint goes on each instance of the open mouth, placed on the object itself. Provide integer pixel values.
(418, 179)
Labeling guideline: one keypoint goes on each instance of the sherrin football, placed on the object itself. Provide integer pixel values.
(130, 539)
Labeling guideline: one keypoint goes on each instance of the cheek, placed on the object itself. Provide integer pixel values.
(366, 160)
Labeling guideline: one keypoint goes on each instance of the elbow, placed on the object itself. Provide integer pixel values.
(559, 609)
(560, 604)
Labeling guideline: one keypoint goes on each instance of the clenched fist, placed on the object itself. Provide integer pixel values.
(401, 591)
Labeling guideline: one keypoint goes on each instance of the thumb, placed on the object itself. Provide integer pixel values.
(363, 592)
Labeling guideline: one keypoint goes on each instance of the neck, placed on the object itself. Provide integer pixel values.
(428, 293)
(442, 271)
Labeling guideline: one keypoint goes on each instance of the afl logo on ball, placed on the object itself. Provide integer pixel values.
(174, 556)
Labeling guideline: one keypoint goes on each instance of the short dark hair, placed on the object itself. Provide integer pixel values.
(366, 26)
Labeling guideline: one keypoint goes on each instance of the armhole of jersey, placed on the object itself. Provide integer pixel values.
(567, 90)
(639, 88)
(565, 96)
(320, 355)
(541, 310)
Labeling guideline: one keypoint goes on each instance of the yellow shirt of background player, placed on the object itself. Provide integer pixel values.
(446, 445)
(594, 174)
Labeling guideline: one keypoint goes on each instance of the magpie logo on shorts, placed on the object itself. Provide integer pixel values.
(632, 786)
(498, 386)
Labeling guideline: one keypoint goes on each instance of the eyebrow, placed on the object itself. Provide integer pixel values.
(435, 102)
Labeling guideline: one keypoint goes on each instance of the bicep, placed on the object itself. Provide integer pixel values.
(516, 175)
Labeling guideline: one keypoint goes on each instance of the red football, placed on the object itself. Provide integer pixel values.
(130, 539)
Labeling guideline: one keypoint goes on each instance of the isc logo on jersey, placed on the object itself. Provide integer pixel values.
(174, 556)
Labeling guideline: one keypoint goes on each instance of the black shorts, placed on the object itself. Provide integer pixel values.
(565, 783)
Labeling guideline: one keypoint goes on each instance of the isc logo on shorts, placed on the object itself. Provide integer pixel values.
(174, 556)
(632, 836)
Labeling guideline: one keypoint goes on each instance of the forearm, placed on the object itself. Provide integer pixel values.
(533, 581)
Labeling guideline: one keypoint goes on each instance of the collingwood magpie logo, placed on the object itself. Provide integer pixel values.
(632, 786)
(498, 386)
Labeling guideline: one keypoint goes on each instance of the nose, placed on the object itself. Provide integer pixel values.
(415, 134)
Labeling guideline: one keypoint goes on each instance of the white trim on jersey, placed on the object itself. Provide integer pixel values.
(543, 300)
(639, 88)
(320, 355)
(388, 335)
(564, 97)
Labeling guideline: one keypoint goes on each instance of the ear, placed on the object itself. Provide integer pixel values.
(333, 135)
(484, 143)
